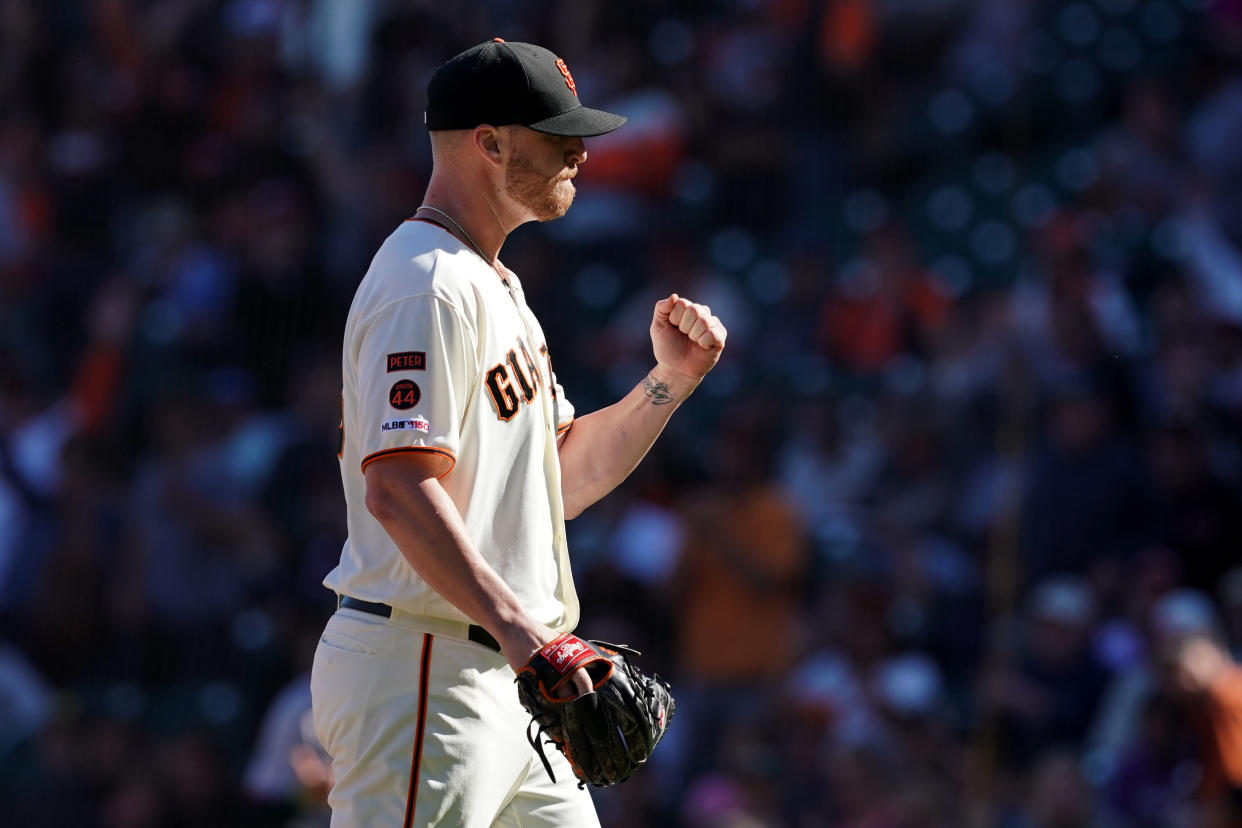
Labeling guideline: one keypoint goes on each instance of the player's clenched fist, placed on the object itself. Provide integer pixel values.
(686, 337)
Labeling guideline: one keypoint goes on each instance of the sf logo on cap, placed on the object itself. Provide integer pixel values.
(569, 79)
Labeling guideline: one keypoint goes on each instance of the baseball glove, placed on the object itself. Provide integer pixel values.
(606, 735)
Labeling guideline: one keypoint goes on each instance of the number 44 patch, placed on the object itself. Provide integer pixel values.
(404, 394)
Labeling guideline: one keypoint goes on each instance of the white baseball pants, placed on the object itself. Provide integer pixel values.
(425, 729)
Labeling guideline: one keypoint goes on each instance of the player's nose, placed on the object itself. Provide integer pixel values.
(575, 151)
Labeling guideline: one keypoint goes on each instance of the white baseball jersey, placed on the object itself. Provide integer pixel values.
(440, 356)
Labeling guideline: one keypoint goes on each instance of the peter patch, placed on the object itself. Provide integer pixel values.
(415, 424)
(407, 361)
(404, 394)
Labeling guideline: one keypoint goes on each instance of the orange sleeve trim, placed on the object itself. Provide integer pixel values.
(452, 458)
(565, 427)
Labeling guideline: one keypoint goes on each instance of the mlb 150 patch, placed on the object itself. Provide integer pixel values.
(404, 394)
(415, 424)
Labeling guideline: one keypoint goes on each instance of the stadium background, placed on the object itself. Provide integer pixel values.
(912, 556)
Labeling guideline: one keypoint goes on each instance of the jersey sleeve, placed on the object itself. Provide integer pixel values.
(564, 408)
(416, 362)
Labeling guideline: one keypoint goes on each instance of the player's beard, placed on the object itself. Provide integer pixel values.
(545, 198)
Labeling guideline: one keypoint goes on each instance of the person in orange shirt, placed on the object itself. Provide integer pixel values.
(891, 305)
(738, 589)
(1209, 682)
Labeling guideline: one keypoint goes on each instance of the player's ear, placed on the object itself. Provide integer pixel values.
(488, 142)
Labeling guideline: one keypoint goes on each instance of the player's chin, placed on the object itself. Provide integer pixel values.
(559, 201)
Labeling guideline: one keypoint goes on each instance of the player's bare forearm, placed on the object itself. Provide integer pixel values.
(606, 445)
(405, 496)
(603, 447)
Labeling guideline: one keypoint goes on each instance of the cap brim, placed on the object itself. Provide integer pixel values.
(581, 122)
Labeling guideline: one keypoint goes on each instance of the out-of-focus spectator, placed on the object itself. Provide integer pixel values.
(288, 773)
(1188, 752)
(1087, 504)
(739, 594)
(26, 704)
(1143, 157)
(1197, 512)
(1140, 747)
(1209, 683)
(1044, 693)
(1060, 796)
(885, 304)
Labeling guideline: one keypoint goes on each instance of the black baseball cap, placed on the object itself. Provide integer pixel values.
(502, 83)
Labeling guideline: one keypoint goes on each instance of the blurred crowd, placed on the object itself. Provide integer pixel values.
(949, 537)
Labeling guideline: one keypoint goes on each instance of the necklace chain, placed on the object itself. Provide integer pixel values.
(467, 236)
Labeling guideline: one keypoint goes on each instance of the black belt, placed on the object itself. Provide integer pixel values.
(476, 633)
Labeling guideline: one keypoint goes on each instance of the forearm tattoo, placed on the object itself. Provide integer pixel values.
(657, 391)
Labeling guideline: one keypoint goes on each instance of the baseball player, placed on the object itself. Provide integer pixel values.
(461, 458)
